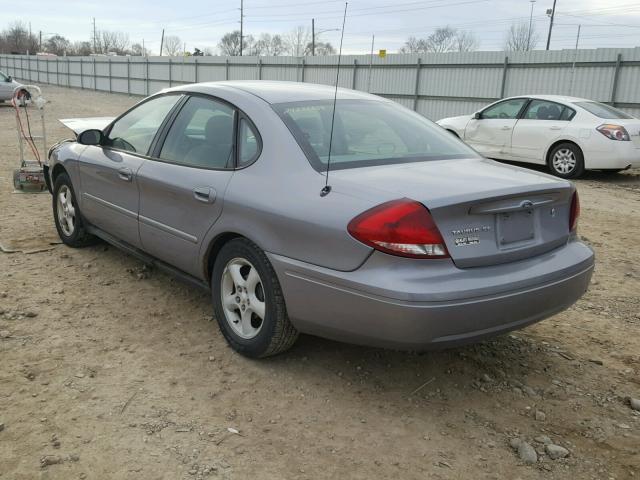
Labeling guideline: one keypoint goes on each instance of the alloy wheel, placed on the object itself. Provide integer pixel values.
(564, 161)
(66, 211)
(243, 299)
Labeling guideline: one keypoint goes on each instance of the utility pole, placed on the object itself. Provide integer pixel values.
(161, 42)
(373, 39)
(313, 37)
(40, 41)
(530, 25)
(95, 36)
(553, 13)
(241, 25)
(575, 55)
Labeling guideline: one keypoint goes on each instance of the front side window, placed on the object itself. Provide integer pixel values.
(604, 111)
(367, 132)
(201, 135)
(3, 77)
(134, 131)
(508, 109)
(544, 110)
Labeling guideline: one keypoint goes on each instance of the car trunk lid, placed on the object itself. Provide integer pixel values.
(488, 213)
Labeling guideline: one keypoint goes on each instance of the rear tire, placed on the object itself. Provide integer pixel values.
(566, 160)
(66, 214)
(248, 301)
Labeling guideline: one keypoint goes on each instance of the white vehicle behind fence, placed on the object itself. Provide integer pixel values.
(569, 135)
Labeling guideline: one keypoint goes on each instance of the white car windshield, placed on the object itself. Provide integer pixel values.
(367, 132)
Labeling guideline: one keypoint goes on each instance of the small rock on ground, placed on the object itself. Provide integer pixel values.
(635, 404)
(556, 451)
(527, 453)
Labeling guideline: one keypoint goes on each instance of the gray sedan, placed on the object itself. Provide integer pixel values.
(367, 223)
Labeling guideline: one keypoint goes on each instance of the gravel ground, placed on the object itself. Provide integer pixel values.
(110, 370)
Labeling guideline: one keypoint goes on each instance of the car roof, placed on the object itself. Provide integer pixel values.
(555, 98)
(279, 92)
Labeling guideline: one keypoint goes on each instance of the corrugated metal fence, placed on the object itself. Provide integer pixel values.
(436, 85)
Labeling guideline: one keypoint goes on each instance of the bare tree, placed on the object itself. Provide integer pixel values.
(208, 51)
(138, 50)
(230, 43)
(445, 39)
(466, 41)
(57, 44)
(111, 42)
(322, 48)
(442, 40)
(268, 44)
(80, 48)
(172, 45)
(520, 38)
(16, 39)
(297, 40)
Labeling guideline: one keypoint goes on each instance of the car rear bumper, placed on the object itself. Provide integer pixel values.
(613, 155)
(409, 304)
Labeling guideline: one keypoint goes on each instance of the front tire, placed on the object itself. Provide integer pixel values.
(566, 160)
(66, 214)
(248, 301)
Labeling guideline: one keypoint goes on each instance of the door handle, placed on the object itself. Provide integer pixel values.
(125, 174)
(506, 128)
(555, 127)
(204, 194)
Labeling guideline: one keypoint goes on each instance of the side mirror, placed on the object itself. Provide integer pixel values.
(91, 137)
(9, 79)
(477, 116)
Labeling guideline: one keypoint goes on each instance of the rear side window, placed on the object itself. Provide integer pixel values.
(366, 133)
(508, 109)
(134, 131)
(604, 111)
(248, 143)
(545, 110)
(201, 135)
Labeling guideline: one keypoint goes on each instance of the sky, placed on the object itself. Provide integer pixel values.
(201, 23)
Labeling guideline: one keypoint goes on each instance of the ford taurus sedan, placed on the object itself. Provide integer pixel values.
(372, 226)
(569, 135)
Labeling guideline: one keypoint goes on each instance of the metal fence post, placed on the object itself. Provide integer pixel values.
(616, 76)
(353, 79)
(81, 74)
(302, 70)
(195, 67)
(170, 63)
(38, 68)
(416, 92)
(110, 75)
(259, 69)
(146, 78)
(129, 76)
(226, 69)
(68, 73)
(95, 77)
(505, 67)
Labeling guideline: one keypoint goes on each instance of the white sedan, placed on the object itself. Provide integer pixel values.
(569, 135)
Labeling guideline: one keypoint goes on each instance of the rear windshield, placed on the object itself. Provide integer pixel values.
(603, 111)
(367, 132)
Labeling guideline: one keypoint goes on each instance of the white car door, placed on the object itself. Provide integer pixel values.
(540, 125)
(490, 133)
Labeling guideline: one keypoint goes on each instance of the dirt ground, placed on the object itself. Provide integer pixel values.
(110, 370)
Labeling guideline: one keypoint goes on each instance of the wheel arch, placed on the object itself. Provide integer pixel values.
(58, 168)
(214, 248)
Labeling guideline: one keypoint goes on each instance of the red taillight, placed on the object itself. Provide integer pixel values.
(400, 227)
(614, 132)
(574, 212)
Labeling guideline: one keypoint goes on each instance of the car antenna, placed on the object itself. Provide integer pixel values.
(327, 188)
